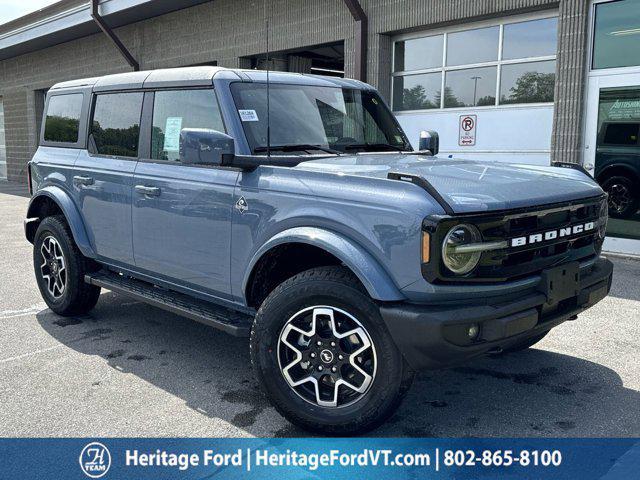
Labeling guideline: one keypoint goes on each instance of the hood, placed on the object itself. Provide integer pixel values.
(471, 186)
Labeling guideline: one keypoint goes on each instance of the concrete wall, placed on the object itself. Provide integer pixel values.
(227, 30)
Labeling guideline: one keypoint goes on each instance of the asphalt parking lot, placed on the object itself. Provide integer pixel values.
(129, 369)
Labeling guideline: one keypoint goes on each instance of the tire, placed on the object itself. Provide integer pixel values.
(623, 199)
(333, 296)
(523, 345)
(54, 241)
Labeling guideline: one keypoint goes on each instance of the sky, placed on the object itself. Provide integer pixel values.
(11, 9)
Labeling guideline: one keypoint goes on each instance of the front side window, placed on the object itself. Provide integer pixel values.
(63, 118)
(474, 69)
(115, 128)
(303, 117)
(174, 110)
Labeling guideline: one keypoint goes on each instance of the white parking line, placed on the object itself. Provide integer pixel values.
(25, 311)
(18, 357)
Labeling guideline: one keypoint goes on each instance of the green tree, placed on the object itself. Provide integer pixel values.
(531, 87)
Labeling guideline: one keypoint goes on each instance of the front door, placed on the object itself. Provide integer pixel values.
(182, 213)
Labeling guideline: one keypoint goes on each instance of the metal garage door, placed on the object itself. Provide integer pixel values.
(3, 150)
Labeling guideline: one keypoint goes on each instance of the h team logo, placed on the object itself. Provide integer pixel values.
(95, 460)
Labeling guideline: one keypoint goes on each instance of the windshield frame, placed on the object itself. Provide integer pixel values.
(385, 116)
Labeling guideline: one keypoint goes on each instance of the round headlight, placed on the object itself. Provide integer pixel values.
(460, 262)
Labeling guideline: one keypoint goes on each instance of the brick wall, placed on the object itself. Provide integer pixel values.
(227, 30)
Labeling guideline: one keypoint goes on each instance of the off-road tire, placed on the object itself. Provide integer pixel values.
(78, 297)
(338, 288)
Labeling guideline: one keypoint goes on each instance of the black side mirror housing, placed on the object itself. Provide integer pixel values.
(201, 146)
(429, 140)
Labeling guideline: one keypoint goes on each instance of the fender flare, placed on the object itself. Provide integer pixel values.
(373, 276)
(71, 213)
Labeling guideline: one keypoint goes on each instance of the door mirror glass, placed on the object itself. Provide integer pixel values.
(201, 146)
(429, 140)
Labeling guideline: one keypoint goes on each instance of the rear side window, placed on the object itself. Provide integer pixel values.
(63, 118)
(621, 134)
(115, 127)
(174, 110)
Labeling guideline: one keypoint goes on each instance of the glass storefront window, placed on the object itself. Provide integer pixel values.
(536, 38)
(527, 82)
(418, 53)
(473, 58)
(617, 166)
(616, 34)
(417, 92)
(474, 87)
(473, 46)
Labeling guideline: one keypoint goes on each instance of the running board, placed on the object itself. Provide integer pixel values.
(227, 320)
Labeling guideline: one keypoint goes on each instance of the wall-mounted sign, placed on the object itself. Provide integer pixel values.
(467, 129)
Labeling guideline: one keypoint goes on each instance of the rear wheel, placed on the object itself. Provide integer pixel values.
(324, 356)
(623, 200)
(60, 268)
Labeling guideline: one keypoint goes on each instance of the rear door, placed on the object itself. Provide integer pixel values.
(104, 174)
(182, 213)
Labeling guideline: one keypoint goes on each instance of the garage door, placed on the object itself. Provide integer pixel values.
(3, 149)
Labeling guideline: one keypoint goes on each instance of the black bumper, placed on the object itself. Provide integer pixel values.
(435, 336)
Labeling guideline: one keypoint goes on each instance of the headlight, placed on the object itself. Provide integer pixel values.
(458, 262)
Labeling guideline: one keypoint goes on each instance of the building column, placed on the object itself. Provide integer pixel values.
(17, 133)
(573, 28)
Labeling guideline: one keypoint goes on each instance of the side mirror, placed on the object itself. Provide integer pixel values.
(201, 146)
(429, 140)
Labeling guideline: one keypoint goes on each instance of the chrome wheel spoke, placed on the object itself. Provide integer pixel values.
(53, 268)
(326, 356)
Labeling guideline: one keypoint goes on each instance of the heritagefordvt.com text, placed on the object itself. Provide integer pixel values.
(249, 458)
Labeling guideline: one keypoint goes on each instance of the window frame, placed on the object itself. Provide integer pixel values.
(82, 123)
(498, 63)
(146, 126)
(94, 99)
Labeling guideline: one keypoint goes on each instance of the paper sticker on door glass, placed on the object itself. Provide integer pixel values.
(248, 115)
(172, 134)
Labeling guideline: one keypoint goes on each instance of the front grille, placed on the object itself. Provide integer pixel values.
(511, 263)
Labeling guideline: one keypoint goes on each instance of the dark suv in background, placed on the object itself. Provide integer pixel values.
(618, 166)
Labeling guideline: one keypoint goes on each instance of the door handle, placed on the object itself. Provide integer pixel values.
(80, 180)
(148, 191)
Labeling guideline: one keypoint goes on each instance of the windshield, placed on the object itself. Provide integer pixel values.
(306, 118)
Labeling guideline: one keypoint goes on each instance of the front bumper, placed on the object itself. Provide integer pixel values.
(428, 336)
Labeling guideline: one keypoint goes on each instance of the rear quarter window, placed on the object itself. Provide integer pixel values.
(62, 123)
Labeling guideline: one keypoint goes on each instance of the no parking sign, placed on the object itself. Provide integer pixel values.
(467, 129)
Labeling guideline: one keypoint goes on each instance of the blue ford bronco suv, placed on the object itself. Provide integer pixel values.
(294, 211)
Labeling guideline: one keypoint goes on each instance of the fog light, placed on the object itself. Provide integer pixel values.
(473, 331)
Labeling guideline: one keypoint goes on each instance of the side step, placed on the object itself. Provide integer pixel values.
(230, 321)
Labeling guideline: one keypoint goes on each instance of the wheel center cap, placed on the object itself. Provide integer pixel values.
(326, 356)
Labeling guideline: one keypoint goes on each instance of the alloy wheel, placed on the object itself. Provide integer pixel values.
(326, 356)
(53, 267)
(620, 197)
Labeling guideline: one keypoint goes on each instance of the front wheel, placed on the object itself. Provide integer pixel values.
(60, 268)
(323, 354)
(623, 199)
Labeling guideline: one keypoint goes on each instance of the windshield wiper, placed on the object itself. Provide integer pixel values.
(301, 147)
(372, 147)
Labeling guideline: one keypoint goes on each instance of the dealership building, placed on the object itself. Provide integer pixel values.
(531, 81)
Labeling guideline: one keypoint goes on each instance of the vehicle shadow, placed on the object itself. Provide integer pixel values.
(536, 392)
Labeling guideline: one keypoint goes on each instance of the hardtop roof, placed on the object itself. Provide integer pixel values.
(201, 76)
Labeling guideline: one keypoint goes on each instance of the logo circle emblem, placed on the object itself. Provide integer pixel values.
(326, 356)
(95, 460)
